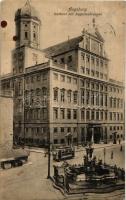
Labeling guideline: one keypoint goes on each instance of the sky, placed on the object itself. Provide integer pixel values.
(109, 18)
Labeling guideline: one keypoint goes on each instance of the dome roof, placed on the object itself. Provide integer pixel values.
(26, 11)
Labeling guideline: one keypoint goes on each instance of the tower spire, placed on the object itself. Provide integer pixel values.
(27, 2)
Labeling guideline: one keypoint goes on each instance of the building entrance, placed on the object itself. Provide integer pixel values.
(94, 134)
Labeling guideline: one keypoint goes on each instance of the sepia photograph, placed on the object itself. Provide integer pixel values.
(62, 100)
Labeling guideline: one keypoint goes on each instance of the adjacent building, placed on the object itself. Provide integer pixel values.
(64, 91)
(6, 120)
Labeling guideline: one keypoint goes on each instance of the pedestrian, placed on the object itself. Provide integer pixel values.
(122, 174)
(119, 141)
(121, 148)
(111, 154)
(45, 153)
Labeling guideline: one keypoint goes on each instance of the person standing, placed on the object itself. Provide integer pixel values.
(121, 148)
(111, 154)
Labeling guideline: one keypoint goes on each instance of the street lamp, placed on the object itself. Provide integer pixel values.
(104, 154)
(49, 157)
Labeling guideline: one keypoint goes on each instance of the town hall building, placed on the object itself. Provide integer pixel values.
(63, 92)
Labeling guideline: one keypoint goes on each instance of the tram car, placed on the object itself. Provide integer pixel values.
(63, 153)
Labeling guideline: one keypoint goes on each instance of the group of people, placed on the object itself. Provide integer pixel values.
(119, 172)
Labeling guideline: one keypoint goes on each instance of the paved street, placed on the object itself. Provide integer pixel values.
(29, 182)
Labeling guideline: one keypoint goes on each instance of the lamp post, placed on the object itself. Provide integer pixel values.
(49, 157)
(24, 107)
(104, 154)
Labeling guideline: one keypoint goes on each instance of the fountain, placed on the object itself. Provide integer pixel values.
(91, 176)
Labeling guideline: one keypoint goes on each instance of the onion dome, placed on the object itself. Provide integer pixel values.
(27, 12)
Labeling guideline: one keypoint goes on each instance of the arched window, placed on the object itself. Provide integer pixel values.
(26, 35)
(62, 94)
(75, 97)
(44, 91)
(38, 91)
(32, 92)
(55, 94)
(69, 96)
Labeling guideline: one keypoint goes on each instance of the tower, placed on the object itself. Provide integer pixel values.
(27, 27)
(27, 52)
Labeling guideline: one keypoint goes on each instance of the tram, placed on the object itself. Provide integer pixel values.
(63, 153)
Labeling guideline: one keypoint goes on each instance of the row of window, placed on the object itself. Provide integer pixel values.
(87, 97)
(94, 61)
(36, 114)
(62, 96)
(93, 98)
(63, 113)
(36, 78)
(94, 73)
(36, 92)
(115, 102)
(26, 35)
(116, 128)
(36, 130)
(93, 86)
(64, 78)
(115, 90)
(64, 130)
(69, 79)
(94, 115)
(74, 129)
(118, 136)
(83, 82)
(113, 116)
(85, 114)
(71, 114)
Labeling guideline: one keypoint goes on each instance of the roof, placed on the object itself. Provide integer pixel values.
(26, 11)
(72, 44)
(63, 47)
